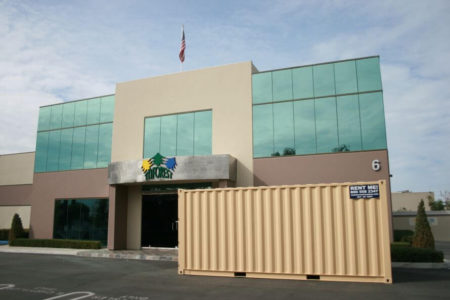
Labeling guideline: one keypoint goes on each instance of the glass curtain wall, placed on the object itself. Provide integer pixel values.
(75, 135)
(179, 135)
(81, 219)
(326, 108)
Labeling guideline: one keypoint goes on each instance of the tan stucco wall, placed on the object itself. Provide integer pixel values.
(408, 201)
(440, 225)
(134, 217)
(50, 186)
(225, 89)
(7, 213)
(16, 168)
(321, 168)
(15, 195)
(117, 217)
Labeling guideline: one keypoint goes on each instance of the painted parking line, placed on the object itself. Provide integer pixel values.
(4, 286)
(69, 296)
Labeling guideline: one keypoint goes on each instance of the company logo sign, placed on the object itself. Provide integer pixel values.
(159, 167)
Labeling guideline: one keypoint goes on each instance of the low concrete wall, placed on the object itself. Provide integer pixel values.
(439, 223)
(408, 201)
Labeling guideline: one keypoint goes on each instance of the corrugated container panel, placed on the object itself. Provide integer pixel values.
(293, 232)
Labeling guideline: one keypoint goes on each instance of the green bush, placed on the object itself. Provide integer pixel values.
(48, 243)
(423, 237)
(403, 235)
(4, 233)
(401, 244)
(16, 230)
(403, 253)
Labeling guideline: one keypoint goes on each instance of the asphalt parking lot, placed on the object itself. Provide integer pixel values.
(31, 276)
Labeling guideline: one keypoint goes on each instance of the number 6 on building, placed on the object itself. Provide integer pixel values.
(376, 165)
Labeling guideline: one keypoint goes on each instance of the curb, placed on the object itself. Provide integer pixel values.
(28, 250)
(133, 256)
(167, 257)
(88, 253)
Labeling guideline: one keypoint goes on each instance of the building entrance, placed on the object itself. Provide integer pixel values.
(159, 220)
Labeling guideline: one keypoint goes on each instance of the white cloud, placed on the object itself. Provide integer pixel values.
(71, 50)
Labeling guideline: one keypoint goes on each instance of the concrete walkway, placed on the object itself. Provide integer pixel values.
(170, 254)
(143, 254)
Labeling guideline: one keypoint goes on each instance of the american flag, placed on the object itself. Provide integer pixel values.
(183, 47)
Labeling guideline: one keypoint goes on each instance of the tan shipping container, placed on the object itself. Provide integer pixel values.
(286, 232)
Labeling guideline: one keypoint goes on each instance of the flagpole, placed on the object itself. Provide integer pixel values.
(181, 63)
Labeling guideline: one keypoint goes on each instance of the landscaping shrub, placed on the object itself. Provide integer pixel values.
(4, 233)
(403, 253)
(423, 237)
(16, 230)
(26, 233)
(49, 243)
(401, 244)
(403, 235)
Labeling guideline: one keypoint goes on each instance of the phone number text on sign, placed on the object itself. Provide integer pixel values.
(365, 191)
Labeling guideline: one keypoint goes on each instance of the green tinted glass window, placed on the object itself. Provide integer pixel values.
(81, 219)
(185, 134)
(69, 142)
(54, 140)
(169, 135)
(283, 120)
(59, 221)
(321, 123)
(182, 134)
(93, 111)
(80, 113)
(107, 109)
(323, 80)
(262, 130)
(372, 121)
(104, 145)
(56, 117)
(78, 148)
(40, 163)
(303, 82)
(44, 118)
(202, 133)
(345, 76)
(152, 136)
(91, 147)
(65, 153)
(282, 85)
(262, 87)
(326, 125)
(305, 127)
(68, 114)
(349, 123)
(369, 77)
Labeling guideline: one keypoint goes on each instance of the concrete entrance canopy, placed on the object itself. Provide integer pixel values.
(188, 168)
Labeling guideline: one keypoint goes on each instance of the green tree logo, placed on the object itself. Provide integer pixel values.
(158, 159)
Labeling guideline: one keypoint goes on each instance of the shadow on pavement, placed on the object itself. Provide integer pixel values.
(420, 275)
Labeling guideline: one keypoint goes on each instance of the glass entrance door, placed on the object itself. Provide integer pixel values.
(159, 221)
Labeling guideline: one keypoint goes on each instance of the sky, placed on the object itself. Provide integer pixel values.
(55, 51)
